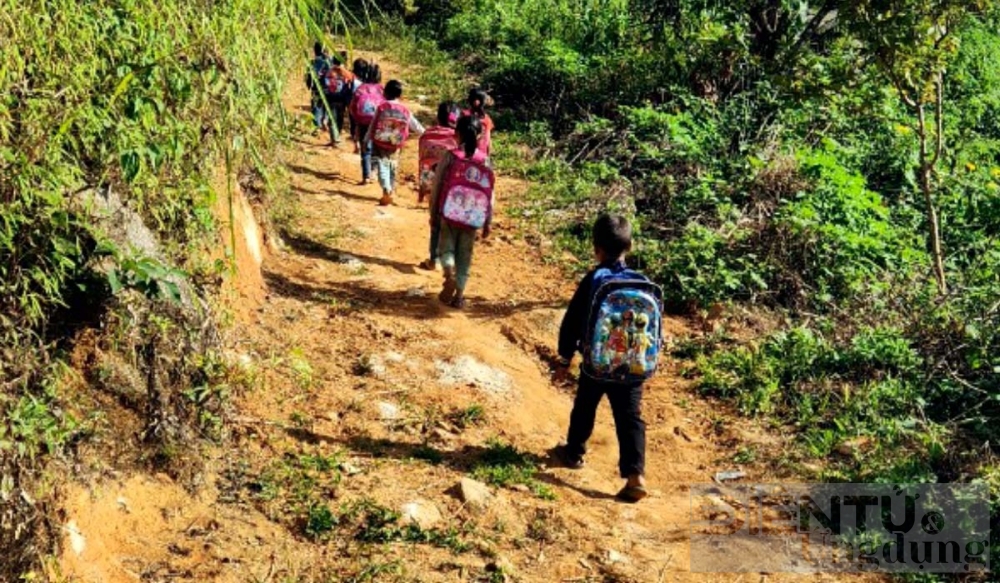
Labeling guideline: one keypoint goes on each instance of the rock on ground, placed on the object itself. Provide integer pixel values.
(466, 370)
(475, 495)
(422, 513)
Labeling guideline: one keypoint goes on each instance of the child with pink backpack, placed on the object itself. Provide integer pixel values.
(434, 145)
(387, 134)
(367, 98)
(462, 202)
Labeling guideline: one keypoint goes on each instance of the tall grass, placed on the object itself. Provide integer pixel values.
(150, 98)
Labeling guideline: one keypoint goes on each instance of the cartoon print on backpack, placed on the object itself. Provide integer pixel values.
(466, 206)
(624, 343)
(467, 191)
(476, 176)
(392, 129)
(639, 346)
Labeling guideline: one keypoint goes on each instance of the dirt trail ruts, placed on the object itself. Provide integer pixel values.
(352, 347)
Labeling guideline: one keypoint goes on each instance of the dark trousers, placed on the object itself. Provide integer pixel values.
(366, 151)
(435, 238)
(626, 402)
(337, 107)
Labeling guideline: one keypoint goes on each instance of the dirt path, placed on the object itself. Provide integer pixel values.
(353, 357)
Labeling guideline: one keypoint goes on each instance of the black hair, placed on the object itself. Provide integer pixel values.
(360, 68)
(393, 90)
(468, 130)
(335, 60)
(448, 113)
(477, 101)
(613, 235)
(318, 48)
(373, 74)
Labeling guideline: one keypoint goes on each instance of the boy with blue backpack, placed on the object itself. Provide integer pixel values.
(316, 82)
(614, 320)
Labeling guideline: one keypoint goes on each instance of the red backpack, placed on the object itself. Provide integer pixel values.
(338, 80)
(433, 145)
(466, 196)
(366, 102)
(392, 126)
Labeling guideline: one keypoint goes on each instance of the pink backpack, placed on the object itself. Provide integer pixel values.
(366, 102)
(433, 145)
(467, 191)
(392, 126)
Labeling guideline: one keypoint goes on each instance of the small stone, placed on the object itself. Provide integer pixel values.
(123, 504)
(521, 488)
(394, 357)
(349, 469)
(422, 513)
(388, 411)
(76, 540)
(416, 292)
(475, 495)
(614, 557)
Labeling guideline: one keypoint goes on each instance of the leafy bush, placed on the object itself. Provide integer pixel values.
(155, 102)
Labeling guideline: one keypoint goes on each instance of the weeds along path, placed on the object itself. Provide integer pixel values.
(371, 396)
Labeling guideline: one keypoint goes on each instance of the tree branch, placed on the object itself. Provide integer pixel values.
(938, 118)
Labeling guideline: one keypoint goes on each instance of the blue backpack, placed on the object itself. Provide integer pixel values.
(625, 328)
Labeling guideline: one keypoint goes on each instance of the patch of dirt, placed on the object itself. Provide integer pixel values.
(335, 338)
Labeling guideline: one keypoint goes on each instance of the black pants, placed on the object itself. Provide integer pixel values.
(337, 107)
(626, 402)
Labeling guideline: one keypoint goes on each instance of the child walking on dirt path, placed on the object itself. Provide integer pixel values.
(338, 85)
(434, 145)
(615, 321)
(360, 70)
(315, 81)
(387, 135)
(477, 107)
(462, 203)
(367, 98)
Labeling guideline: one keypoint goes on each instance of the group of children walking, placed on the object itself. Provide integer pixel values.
(614, 318)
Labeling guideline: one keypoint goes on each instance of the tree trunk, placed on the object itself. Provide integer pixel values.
(927, 162)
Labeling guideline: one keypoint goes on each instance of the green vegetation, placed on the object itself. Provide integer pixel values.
(471, 416)
(833, 167)
(153, 110)
(502, 464)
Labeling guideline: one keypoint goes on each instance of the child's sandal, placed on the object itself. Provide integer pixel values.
(447, 294)
(458, 303)
(631, 494)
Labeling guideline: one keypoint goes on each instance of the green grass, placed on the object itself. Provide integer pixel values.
(502, 464)
(471, 416)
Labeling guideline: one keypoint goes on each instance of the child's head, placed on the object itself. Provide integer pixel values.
(360, 68)
(393, 90)
(468, 130)
(373, 74)
(612, 237)
(335, 60)
(477, 101)
(318, 49)
(448, 114)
